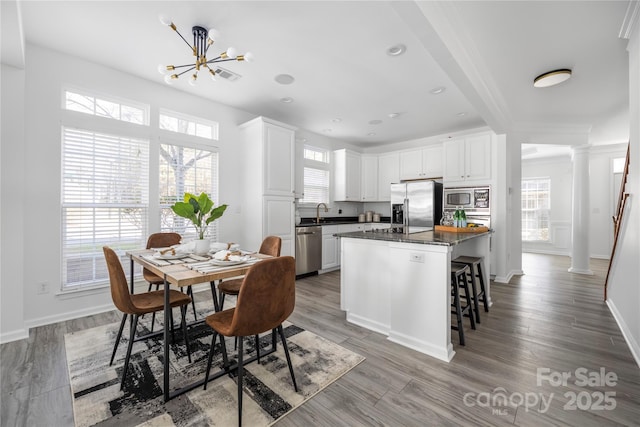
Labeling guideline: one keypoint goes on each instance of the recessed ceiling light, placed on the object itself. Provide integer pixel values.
(461, 114)
(396, 50)
(284, 79)
(438, 90)
(371, 134)
(337, 120)
(393, 115)
(286, 100)
(552, 78)
(375, 122)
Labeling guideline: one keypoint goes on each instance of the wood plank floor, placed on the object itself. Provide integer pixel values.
(547, 319)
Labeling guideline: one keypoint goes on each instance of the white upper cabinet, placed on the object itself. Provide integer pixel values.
(346, 176)
(298, 186)
(421, 164)
(369, 182)
(269, 148)
(388, 173)
(467, 159)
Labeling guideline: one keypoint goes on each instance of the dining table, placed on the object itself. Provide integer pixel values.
(189, 270)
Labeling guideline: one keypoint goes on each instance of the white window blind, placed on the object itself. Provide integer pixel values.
(191, 170)
(535, 209)
(105, 188)
(316, 176)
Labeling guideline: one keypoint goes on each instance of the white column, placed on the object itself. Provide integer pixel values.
(580, 212)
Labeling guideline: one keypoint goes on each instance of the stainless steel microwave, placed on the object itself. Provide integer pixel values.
(473, 199)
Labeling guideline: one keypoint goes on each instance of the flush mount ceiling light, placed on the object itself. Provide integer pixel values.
(286, 100)
(438, 90)
(396, 50)
(202, 41)
(552, 78)
(393, 115)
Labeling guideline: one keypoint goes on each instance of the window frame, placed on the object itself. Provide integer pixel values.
(539, 214)
(324, 166)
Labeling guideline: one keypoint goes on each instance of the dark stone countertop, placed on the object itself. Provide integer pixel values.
(337, 220)
(440, 238)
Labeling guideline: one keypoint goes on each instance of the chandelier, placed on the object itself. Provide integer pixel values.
(202, 41)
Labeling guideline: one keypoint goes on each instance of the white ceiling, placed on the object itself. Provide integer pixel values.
(485, 53)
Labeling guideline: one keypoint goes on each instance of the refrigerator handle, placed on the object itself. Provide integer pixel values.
(405, 216)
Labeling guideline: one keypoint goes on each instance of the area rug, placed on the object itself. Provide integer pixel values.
(268, 390)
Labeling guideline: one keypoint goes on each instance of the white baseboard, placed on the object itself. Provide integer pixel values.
(20, 334)
(626, 333)
(507, 278)
(69, 315)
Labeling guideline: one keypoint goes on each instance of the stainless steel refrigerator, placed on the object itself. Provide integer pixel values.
(415, 206)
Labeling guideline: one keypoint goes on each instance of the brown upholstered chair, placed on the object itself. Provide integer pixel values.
(137, 305)
(266, 298)
(163, 240)
(270, 246)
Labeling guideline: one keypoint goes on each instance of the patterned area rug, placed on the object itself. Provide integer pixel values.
(268, 390)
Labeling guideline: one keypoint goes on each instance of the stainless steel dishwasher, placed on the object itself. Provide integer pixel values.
(308, 249)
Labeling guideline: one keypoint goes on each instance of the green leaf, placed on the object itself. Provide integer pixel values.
(216, 213)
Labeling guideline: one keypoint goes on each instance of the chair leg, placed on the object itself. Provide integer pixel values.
(474, 292)
(210, 359)
(258, 348)
(458, 308)
(482, 287)
(240, 375)
(193, 302)
(150, 285)
(286, 353)
(221, 298)
(183, 311)
(115, 346)
(469, 300)
(132, 334)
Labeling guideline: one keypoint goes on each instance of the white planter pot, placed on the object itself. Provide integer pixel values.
(201, 246)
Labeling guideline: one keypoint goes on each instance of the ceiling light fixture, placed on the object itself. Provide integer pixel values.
(393, 115)
(438, 90)
(336, 120)
(202, 40)
(396, 50)
(552, 78)
(286, 100)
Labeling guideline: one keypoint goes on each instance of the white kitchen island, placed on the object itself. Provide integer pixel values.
(400, 284)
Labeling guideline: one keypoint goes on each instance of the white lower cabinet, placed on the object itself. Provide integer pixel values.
(330, 247)
(278, 220)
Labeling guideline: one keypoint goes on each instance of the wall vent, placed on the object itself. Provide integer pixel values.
(226, 74)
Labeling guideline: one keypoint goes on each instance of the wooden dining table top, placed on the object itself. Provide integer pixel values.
(181, 275)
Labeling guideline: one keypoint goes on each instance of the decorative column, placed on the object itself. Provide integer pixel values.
(580, 212)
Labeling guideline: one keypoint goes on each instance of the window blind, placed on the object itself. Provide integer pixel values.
(105, 201)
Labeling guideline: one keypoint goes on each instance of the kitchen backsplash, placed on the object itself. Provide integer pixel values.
(348, 209)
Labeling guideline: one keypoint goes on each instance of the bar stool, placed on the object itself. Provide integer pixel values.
(459, 281)
(477, 281)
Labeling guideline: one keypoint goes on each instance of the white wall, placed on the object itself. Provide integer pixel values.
(12, 178)
(624, 290)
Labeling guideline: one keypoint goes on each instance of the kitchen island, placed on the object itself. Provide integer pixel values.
(400, 285)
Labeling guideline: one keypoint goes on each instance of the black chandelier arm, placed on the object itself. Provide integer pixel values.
(185, 40)
(186, 71)
(219, 59)
(185, 65)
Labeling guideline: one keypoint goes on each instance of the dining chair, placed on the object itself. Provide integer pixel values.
(137, 305)
(265, 300)
(163, 240)
(270, 246)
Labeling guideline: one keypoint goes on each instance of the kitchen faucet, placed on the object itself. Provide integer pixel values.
(318, 211)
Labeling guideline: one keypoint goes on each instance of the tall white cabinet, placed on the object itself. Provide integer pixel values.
(268, 183)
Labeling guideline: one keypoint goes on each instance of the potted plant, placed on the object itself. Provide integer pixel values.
(201, 212)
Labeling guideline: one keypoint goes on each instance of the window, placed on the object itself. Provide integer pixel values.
(110, 108)
(316, 176)
(184, 169)
(188, 125)
(535, 209)
(104, 200)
